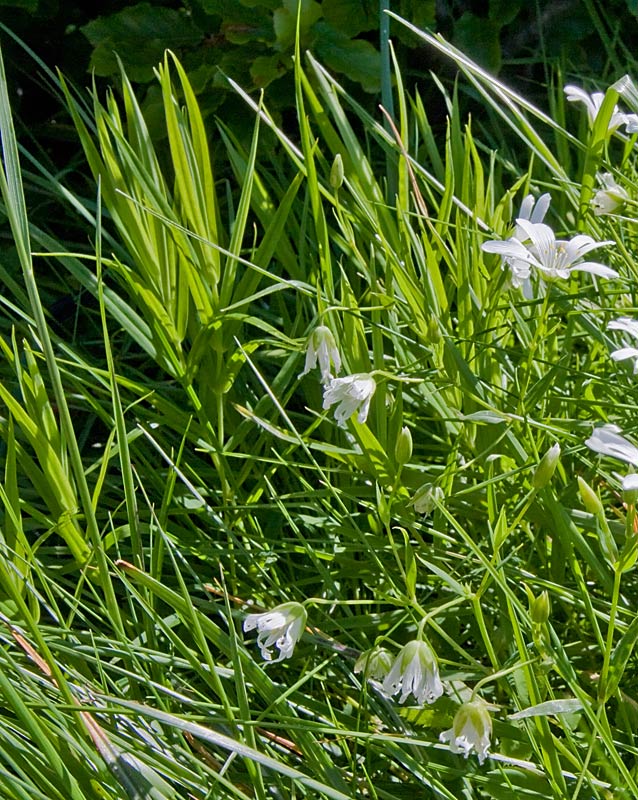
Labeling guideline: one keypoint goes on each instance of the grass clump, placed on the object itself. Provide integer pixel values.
(365, 424)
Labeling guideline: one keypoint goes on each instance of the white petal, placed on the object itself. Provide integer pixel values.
(624, 352)
(540, 209)
(624, 324)
(595, 268)
(608, 442)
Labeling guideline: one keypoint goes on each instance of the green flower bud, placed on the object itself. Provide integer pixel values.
(546, 467)
(403, 446)
(590, 498)
(539, 608)
(336, 172)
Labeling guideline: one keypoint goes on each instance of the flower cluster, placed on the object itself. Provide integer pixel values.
(350, 394)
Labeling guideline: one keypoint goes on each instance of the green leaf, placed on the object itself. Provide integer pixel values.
(139, 35)
(28, 5)
(266, 69)
(549, 709)
(480, 38)
(351, 17)
(353, 57)
(619, 658)
(285, 21)
(421, 13)
(244, 25)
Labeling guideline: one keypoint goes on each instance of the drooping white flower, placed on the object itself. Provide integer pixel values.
(426, 497)
(630, 326)
(322, 348)
(351, 393)
(608, 441)
(414, 672)
(610, 197)
(375, 664)
(282, 627)
(471, 730)
(592, 103)
(552, 258)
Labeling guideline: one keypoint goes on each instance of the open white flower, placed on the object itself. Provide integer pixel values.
(608, 441)
(322, 348)
(281, 627)
(552, 258)
(592, 103)
(610, 197)
(520, 269)
(351, 393)
(471, 730)
(415, 672)
(629, 326)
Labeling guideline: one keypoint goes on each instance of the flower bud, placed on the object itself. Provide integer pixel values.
(336, 172)
(403, 446)
(546, 467)
(590, 498)
(539, 608)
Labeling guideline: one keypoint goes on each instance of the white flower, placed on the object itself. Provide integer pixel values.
(532, 211)
(593, 102)
(281, 627)
(553, 258)
(375, 664)
(415, 672)
(471, 730)
(610, 197)
(608, 441)
(426, 498)
(322, 348)
(520, 269)
(631, 121)
(352, 393)
(626, 88)
(629, 326)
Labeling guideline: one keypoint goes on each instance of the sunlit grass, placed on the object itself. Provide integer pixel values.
(178, 472)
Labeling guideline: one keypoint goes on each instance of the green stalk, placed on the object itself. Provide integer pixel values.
(387, 100)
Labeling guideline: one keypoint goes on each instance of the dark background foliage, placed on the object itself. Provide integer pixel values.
(252, 41)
